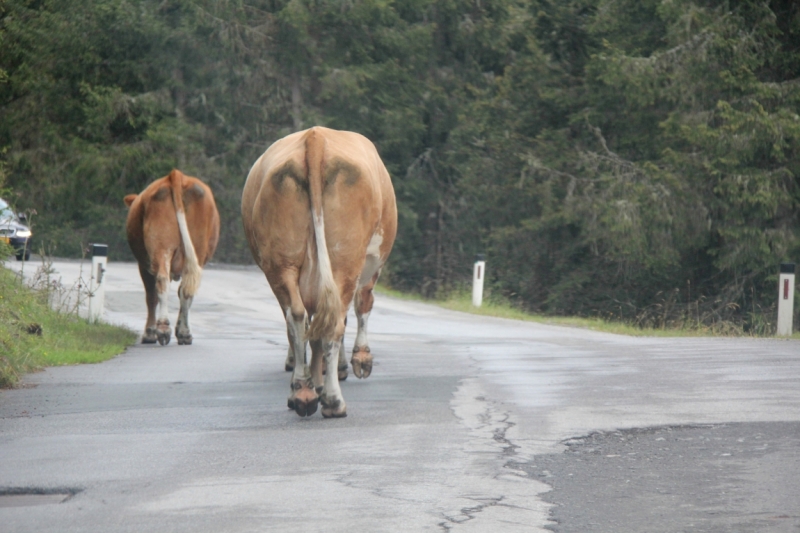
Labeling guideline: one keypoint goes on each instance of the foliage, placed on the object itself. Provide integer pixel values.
(602, 153)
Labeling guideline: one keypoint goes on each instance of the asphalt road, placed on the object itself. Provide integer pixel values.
(467, 424)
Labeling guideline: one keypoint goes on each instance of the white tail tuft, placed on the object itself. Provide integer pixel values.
(191, 270)
(329, 305)
(328, 310)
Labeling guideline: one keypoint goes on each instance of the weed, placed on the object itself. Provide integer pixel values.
(40, 325)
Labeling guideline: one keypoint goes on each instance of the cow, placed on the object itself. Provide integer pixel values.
(173, 230)
(319, 213)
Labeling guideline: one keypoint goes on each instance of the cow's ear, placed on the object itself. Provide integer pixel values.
(129, 199)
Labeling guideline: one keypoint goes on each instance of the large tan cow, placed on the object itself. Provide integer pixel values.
(320, 216)
(173, 230)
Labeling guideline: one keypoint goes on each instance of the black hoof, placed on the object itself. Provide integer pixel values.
(304, 398)
(306, 409)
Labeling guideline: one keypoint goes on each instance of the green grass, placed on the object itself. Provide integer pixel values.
(32, 335)
(462, 301)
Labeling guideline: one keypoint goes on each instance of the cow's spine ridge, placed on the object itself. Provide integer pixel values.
(329, 304)
(191, 271)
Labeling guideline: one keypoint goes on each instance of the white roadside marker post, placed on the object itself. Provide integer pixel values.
(786, 300)
(478, 273)
(97, 287)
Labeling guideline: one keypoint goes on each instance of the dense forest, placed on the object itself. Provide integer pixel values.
(637, 159)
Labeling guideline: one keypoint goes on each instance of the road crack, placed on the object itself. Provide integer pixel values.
(509, 448)
(469, 513)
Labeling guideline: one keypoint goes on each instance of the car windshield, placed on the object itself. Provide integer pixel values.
(6, 214)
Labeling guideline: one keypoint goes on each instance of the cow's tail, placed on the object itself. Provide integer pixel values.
(329, 304)
(191, 270)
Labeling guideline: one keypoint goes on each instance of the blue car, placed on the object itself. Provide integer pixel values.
(14, 232)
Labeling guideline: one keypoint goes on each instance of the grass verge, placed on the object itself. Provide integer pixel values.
(462, 301)
(32, 335)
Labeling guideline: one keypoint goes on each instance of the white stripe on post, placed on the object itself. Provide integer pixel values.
(478, 273)
(97, 288)
(786, 300)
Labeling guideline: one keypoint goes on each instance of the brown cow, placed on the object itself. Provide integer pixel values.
(320, 216)
(173, 229)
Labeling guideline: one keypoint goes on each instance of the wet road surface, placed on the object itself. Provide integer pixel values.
(467, 423)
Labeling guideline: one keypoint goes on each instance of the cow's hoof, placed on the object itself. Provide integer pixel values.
(343, 373)
(304, 399)
(163, 332)
(306, 407)
(333, 407)
(150, 336)
(183, 337)
(164, 338)
(287, 367)
(362, 363)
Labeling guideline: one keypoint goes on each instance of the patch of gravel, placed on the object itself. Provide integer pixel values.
(721, 478)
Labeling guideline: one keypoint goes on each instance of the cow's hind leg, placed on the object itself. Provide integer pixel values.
(304, 398)
(163, 331)
(182, 331)
(333, 404)
(342, 358)
(325, 354)
(362, 356)
(151, 297)
(288, 365)
(342, 364)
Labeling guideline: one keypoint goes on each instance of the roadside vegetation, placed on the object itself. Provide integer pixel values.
(492, 305)
(34, 335)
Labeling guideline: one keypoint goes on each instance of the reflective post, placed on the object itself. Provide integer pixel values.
(478, 273)
(786, 300)
(97, 286)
